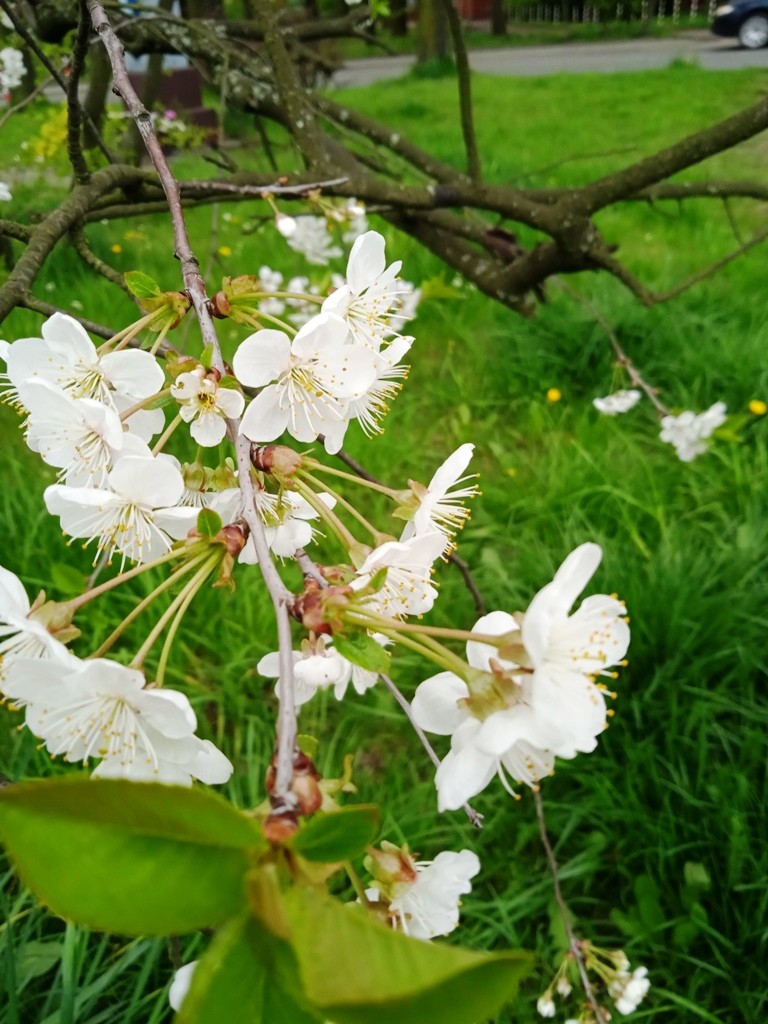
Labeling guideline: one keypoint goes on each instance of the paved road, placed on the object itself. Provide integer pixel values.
(575, 58)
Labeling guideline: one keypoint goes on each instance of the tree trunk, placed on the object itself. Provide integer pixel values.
(95, 103)
(434, 38)
(499, 17)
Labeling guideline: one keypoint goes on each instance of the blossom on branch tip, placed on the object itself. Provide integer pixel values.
(689, 431)
(309, 236)
(617, 403)
(407, 588)
(423, 897)
(24, 631)
(101, 709)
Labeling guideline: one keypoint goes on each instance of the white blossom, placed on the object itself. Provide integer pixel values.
(318, 666)
(66, 357)
(439, 504)
(22, 634)
(309, 236)
(101, 709)
(11, 68)
(368, 302)
(408, 588)
(315, 376)
(373, 406)
(546, 1005)
(5, 193)
(135, 517)
(427, 904)
(628, 990)
(180, 983)
(206, 405)
(688, 432)
(617, 403)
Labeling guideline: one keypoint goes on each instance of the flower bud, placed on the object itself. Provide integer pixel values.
(278, 828)
(276, 459)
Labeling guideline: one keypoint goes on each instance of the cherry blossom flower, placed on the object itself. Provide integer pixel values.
(424, 896)
(408, 588)
(135, 517)
(206, 405)
(628, 990)
(66, 357)
(23, 635)
(287, 521)
(101, 709)
(317, 666)
(309, 236)
(12, 68)
(689, 432)
(617, 403)
(567, 651)
(315, 374)
(509, 739)
(368, 301)
(373, 406)
(439, 504)
(5, 193)
(78, 436)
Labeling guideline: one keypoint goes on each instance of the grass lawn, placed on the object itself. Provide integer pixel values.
(661, 832)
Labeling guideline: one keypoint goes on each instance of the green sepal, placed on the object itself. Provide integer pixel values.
(338, 835)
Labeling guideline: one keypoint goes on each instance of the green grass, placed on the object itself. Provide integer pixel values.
(679, 780)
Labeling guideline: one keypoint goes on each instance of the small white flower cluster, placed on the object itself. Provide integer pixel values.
(626, 988)
(310, 236)
(97, 709)
(11, 69)
(617, 403)
(536, 697)
(689, 432)
(341, 366)
(629, 989)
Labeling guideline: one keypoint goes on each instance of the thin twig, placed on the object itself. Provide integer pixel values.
(573, 943)
(26, 101)
(283, 798)
(463, 74)
(474, 816)
(29, 301)
(74, 110)
(622, 358)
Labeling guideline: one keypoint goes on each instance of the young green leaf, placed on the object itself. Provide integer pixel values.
(133, 858)
(141, 285)
(208, 523)
(361, 649)
(357, 971)
(338, 835)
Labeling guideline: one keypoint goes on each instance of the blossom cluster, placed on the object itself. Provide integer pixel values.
(11, 69)
(689, 432)
(533, 698)
(98, 708)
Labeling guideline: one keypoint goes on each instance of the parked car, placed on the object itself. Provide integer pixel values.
(747, 20)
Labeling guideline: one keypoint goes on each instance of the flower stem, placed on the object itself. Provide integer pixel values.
(123, 577)
(166, 435)
(328, 515)
(318, 467)
(145, 603)
(180, 613)
(183, 598)
(143, 404)
(425, 646)
(344, 504)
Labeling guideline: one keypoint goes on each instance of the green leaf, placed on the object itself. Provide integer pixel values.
(66, 579)
(338, 835)
(127, 857)
(206, 357)
(141, 285)
(208, 523)
(438, 288)
(246, 975)
(357, 971)
(361, 649)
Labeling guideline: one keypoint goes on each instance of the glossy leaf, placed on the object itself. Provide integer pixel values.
(338, 835)
(248, 976)
(133, 858)
(357, 971)
(208, 523)
(140, 284)
(361, 649)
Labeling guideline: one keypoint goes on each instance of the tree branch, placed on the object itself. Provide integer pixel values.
(463, 74)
